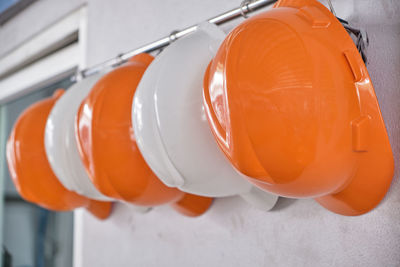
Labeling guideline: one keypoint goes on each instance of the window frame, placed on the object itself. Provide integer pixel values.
(50, 56)
(14, 9)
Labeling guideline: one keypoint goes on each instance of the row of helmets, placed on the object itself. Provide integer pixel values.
(281, 106)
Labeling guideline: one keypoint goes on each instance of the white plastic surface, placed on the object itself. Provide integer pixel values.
(171, 128)
(60, 142)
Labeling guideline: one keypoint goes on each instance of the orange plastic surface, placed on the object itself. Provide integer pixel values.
(192, 205)
(107, 143)
(100, 209)
(291, 104)
(30, 169)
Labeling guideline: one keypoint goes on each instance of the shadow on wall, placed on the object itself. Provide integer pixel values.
(283, 203)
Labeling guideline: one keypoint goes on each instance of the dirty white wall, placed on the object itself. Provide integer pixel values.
(297, 232)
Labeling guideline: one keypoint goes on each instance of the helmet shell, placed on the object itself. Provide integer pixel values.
(60, 142)
(170, 125)
(106, 140)
(29, 168)
(292, 106)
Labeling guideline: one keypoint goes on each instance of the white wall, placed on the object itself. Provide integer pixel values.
(32, 20)
(118, 26)
(297, 232)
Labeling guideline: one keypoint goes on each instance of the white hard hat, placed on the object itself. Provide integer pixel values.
(60, 142)
(171, 128)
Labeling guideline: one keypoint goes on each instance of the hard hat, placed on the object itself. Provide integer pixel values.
(31, 171)
(170, 125)
(60, 142)
(290, 103)
(106, 141)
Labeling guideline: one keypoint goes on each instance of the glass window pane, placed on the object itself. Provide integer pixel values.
(5, 4)
(32, 236)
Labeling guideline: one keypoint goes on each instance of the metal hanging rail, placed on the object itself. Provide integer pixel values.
(245, 8)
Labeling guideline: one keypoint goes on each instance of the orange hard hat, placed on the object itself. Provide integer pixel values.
(290, 102)
(108, 148)
(31, 171)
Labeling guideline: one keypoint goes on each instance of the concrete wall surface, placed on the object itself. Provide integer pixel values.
(232, 233)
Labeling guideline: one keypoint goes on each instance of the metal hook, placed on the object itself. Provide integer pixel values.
(331, 7)
(159, 51)
(119, 59)
(244, 8)
(79, 75)
(172, 36)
